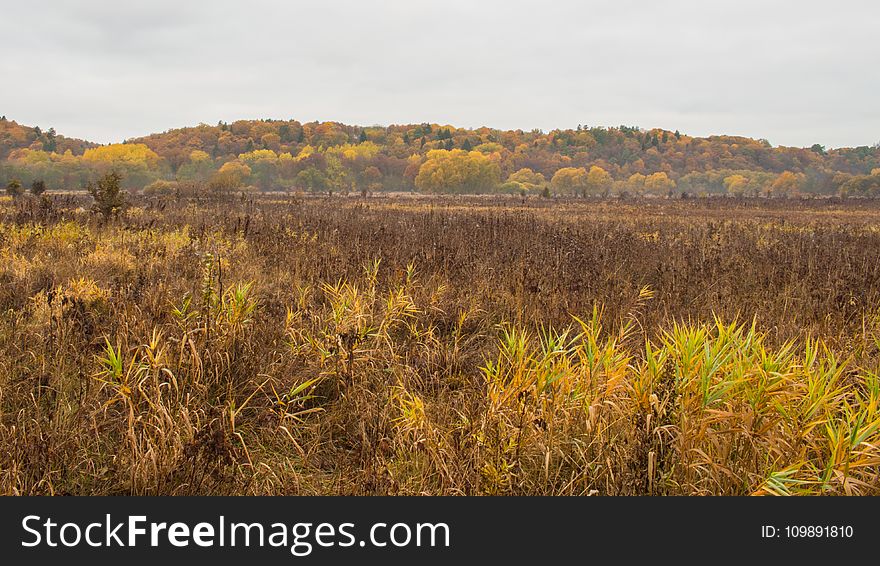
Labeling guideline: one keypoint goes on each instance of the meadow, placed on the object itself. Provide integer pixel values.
(393, 345)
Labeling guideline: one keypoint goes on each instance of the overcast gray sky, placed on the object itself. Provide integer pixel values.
(793, 72)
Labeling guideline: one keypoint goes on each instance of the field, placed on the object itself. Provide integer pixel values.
(272, 344)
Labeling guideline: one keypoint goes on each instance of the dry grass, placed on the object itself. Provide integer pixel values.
(440, 346)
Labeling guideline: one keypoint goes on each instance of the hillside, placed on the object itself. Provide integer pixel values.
(16, 136)
(329, 156)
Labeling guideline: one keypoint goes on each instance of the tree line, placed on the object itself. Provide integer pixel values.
(332, 157)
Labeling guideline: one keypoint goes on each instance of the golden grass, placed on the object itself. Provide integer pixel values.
(410, 347)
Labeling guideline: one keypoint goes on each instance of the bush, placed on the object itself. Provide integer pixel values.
(109, 197)
(38, 187)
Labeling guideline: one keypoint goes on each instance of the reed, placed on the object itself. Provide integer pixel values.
(279, 345)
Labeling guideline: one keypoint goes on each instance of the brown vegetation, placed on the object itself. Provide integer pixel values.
(264, 344)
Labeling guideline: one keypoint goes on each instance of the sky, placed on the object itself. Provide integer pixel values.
(792, 72)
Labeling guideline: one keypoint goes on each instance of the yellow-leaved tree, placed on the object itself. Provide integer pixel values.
(457, 171)
(659, 184)
(232, 175)
(258, 155)
(136, 163)
(598, 181)
(636, 184)
(736, 184)
(123, 153)
(569, 180)
(787, 185)
(306, 152)
(525, 180)
(363, 150)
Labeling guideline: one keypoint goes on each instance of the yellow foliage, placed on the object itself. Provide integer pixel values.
(457, 171)
(128, 153)
(15, 265)
(636, 183)
(199, 156)
(134, 212)
(527, 177)
(735, 184)
(787, 184)
(32, 156)
(175, 241)
(305, 152)
(109, 260)
(570, 180)
(659, 183)
(66, 234)
(232, 174)
(598, 180)
(235, 167)
(85, 290)
(257, 155)
(364, 150)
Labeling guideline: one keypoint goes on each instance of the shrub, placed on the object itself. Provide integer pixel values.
(38, 187)
(13, 189)
(108, 195)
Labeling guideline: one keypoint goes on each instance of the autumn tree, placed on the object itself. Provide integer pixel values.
(136, 160)
(231, 176)
(371, 179)
(362, 151)
(530, 179)
(263, 164)
(635, 184)
(311, 179)
(786, 185)
(598, 181)
(659, 184)
(736, 184)
(328, 134)
(570, 180)
(457, 171)
(861, 185)
(277, 151)
(271, 141)
(123, 153)
(198, 167)
(524, 181)
(339, 178)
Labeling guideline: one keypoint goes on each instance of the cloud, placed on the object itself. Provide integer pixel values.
(793, 72)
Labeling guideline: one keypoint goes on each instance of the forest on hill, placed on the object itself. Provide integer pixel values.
(269, 155)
